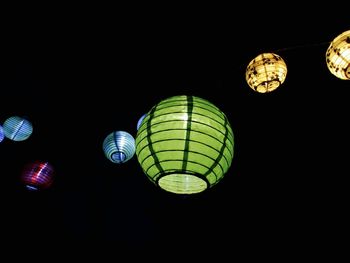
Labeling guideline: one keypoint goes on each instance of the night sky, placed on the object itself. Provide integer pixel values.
(79, 81)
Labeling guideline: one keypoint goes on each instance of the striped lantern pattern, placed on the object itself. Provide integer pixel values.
(119, 146)
(185, 144)
(17, 128)
(37, 175)
(2, 135)
(338, 56)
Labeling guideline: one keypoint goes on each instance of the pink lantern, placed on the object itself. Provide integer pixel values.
(37, 175)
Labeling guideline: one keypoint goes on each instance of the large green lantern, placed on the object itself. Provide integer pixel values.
(185, 144)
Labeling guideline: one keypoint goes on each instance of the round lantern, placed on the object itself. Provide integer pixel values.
(119, 146)
(2, 135)
(17, 128)
(338, 56)
(37, 175)
(266, 72)
(185, 144)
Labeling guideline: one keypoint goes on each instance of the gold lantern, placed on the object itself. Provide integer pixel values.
(338, 56)
(266, 72)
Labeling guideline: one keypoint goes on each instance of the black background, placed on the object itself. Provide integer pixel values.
(79, 76)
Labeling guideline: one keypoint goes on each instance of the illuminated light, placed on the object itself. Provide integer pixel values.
(338, 56)
(266, 72)
(2, 135)
(17, 128)
(31, 188)
(37, 175)
(139, 122)
(185, 144)
(119, 146)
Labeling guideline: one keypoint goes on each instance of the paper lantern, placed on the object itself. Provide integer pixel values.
(266, 72)
(17, 128)
(2, 135)
(119, 146)
(338, 56)
(37, 175)
(185, 144)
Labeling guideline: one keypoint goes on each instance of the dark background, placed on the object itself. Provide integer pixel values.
(77, 77)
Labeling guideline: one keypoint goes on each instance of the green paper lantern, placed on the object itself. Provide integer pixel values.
(185, 144)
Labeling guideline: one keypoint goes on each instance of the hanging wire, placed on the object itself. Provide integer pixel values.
(302, 46)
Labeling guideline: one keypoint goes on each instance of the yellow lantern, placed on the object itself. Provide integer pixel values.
(338, 56)
(266, 72)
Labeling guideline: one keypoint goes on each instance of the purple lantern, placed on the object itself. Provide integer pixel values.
(37, 175)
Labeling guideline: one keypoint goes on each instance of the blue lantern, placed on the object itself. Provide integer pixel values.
(37, 175)
(140, 120)
(2, 135)
(119, 146)
(17, 128)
